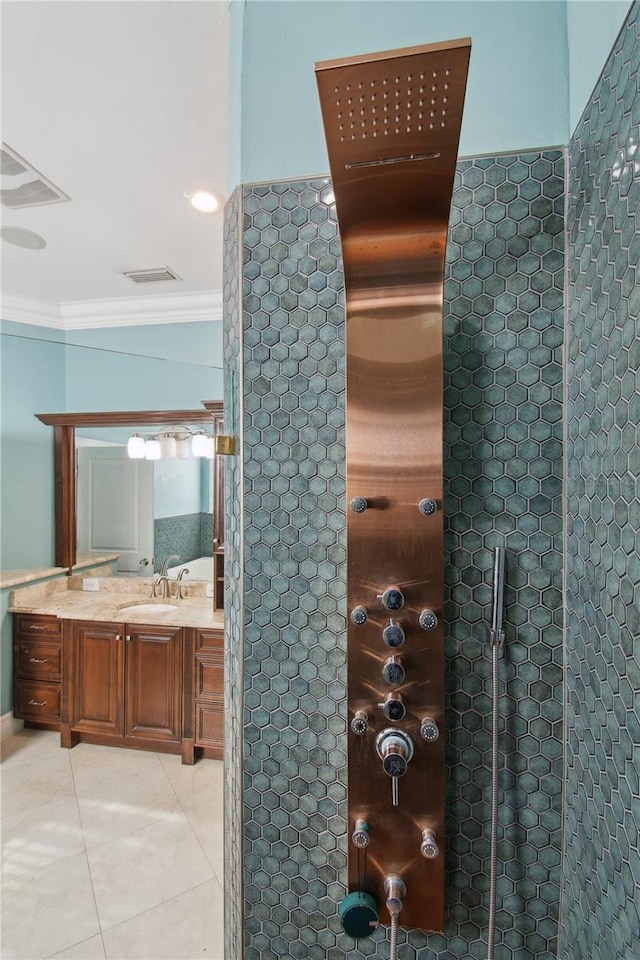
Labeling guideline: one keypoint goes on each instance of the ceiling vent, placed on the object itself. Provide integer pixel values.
(152, 275)
(23, 185)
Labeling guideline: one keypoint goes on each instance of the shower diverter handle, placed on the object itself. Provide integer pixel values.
(395, 749)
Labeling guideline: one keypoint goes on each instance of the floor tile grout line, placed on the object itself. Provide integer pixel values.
(155, 906)
(86, 854)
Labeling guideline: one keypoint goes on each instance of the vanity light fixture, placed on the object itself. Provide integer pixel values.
(182, 444)
(136, 447)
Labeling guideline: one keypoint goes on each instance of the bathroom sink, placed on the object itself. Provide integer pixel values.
(148, 608)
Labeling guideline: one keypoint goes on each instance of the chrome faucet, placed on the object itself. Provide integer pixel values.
(163, 580)
(165, 564)
(180, 594)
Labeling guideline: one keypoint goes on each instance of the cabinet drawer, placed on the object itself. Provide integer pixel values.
(36, 700)
(209, 724)
(38, 659)
(209, 641)
(30, 625)
(209, 677)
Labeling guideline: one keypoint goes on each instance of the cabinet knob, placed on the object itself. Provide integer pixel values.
(37, 703)
(38, 660)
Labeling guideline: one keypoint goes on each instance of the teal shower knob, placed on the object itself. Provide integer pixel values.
(359, 914)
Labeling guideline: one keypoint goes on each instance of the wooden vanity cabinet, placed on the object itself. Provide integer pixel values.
(37, 674)
(126, 685)
(130, 685)
(209, 693)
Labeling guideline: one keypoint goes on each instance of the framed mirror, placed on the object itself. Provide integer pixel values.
(71, 427)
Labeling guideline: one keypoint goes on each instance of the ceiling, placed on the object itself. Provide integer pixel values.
(122, 105)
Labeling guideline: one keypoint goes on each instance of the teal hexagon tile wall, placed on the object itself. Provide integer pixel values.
(233, 602)
(503, 449)
(601, 874)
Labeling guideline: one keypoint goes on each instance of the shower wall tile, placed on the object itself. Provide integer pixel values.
(503, 469)
(181, 535)
(233, 592)
(601, 872)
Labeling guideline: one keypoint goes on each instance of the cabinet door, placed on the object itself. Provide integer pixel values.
(98, 678)
(154, 682)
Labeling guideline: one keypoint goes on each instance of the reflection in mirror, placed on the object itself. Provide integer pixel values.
(145, 510)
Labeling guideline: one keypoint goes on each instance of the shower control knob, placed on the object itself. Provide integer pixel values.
(393, 707)
(393, 634)
(392, 598)
(395, 749)
(429, 729)
(429, 847)
(358, 616)
(360, 723)
(393, 670)
(360, 836)
(358, 504)
(427, 506)
(428, 620)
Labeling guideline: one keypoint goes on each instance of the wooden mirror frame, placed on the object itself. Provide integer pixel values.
(64, 443)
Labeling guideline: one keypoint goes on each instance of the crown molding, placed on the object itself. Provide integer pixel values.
(115, 311)
(40, 313)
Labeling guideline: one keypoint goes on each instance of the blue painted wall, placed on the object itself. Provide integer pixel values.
(152, 367)
(33, 381)
(517, 96)
(591, 31)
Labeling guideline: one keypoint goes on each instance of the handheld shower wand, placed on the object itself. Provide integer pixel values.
(496, 639)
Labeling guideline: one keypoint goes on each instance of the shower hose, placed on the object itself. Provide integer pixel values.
(493, 850)
(393, 950)
(496, 639)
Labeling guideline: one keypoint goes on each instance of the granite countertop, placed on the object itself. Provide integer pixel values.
(67, 600)
(13, 578)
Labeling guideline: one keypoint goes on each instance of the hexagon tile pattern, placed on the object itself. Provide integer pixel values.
(503, 455)
(233, 697)
(601, 872)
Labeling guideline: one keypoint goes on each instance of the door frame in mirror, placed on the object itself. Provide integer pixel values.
(64, 441)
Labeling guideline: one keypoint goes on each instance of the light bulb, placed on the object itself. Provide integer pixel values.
(152, 449)
(205, 201)
(199, 445)
(168, 446)
(184, 448)
(136, 447)
(210, 448)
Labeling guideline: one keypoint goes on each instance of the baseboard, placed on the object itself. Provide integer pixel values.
(9, 725)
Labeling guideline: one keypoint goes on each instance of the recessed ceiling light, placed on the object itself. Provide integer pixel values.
(205, 202)
(20, 237)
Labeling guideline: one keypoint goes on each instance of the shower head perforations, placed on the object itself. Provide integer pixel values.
(395, 105)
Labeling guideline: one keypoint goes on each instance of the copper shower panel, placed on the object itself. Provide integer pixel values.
(392, 126)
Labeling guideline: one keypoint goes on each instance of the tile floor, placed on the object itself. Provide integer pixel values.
(108, 854)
